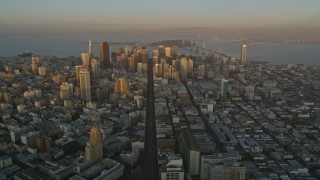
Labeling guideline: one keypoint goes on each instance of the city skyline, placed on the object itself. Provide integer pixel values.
(168, 90)
(45, 16)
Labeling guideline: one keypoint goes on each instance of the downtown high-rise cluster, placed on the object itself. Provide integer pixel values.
(152, 112)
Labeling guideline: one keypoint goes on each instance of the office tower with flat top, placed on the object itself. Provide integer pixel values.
(94, 148)
(95, 66)
(90, 48)
(35, 64)
(243, 53)
(85, 57)
(224, 88)
(85, 85)
(104, 55)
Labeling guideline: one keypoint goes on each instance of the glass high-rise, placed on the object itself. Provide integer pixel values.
(104, 55)
(243, 54)
(85, 85)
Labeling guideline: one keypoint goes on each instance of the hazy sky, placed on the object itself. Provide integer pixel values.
(48, 14)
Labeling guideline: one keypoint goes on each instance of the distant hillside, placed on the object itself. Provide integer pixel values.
(170, 43)
(26, 54)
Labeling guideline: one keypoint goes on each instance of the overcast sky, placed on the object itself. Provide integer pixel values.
(47, 14)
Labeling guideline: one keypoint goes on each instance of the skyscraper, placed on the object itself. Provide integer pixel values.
(167, 51)
(190, 66)
(162, 53)
(35, 64)
(94, 148)
(121, 87)
(127, 50)
(85, 57)
(77, 71)
(90, 48)
(155, 52)
(243, 53)
(174, 51)
(150, 129)
(95, 66)
(66, 90)
(224, 88)
(104, 55)
(85, 85)
(158, 70)
(201, 70)
(133, 63)
(183, 68)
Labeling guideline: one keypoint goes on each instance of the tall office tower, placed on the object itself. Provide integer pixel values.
(113, 58)
(224, 88)
(127, 50)
(155, 59)
(77, 71)
(85, 57)
(201, 73)
(167, 51)
(174, 51)
(243, 53)
(155, 53)
(85, 85)
(183, 68)
(123, 61)
(104, 55)
(162, 53)
(155, 69)
(95, 66)
(66, 90)
(174, 62)
(133, 63)
(144, 56)
(141, 67)
(172, 73)
(162, 61)
(94, 148)
(35, 64)
(122, 87)
(90, 49)
(42, 71)
(168, 73)
(165, 67)
(119, 50)
(158, 70)
(190, 66)
(150, 129)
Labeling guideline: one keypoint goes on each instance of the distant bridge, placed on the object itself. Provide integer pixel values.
(210, 50)
(117, 43)
(215, 52)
